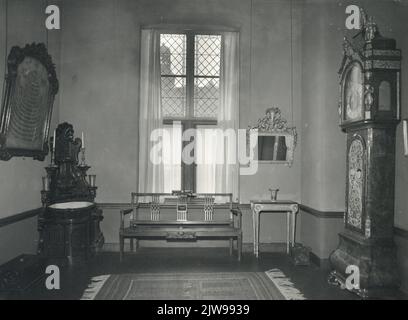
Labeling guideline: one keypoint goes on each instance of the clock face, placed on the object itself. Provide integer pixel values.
(353, 93)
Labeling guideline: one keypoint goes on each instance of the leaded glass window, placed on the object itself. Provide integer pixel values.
(190, 74)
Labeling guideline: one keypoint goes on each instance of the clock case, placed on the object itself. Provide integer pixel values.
(367, 240)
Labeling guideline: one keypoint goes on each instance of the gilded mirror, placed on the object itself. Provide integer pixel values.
(276, 141)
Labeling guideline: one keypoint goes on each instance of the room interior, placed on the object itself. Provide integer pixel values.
(290, 53)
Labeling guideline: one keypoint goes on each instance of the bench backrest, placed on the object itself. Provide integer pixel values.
(155, 201)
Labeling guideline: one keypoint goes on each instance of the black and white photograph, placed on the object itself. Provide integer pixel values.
(207, 157)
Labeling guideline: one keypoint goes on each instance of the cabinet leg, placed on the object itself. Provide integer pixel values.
(231, 245)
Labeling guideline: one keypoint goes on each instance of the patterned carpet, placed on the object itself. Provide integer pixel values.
(270, 285)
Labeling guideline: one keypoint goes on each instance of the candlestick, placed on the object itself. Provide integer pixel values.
(92, 178)
(45, 183)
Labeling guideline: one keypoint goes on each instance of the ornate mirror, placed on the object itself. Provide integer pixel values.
(30, 87)
(276, 141)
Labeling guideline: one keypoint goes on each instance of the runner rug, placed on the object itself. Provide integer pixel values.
(269, 285)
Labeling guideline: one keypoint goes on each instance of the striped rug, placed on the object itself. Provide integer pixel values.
(269, 285)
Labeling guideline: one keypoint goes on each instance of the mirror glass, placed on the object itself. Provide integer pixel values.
(272, 147)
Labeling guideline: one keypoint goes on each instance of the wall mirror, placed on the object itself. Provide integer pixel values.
(276, 141)
(30, 87)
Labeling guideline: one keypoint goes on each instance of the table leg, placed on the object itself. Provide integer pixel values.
(287, 231)
(255, 224)
(293, 228)
(258, 215)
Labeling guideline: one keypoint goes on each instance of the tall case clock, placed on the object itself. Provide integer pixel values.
(369, 110)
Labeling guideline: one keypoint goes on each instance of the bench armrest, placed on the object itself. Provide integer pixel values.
(238, 213)
(126, 211)
(123, 213)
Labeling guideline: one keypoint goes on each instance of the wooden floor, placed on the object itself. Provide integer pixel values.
(311, 281)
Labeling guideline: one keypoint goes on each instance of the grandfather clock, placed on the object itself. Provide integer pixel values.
(369, 111)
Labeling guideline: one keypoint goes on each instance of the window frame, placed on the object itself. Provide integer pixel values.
(190, 76)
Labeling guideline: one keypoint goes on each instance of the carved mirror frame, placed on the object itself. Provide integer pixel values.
(27, 103)
(273, 124)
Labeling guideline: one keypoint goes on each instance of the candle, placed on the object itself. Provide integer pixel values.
(83, 140)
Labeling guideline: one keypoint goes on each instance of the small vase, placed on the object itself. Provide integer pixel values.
(274, 194)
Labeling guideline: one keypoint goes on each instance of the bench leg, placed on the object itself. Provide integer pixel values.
(239, 246)
(121, 247)
(131, 244)
(231, 245)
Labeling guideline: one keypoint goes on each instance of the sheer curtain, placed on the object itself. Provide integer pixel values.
(159, 145)
(218, 148)
(151, 173)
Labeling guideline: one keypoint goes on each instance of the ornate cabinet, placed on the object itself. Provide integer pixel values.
(69, 225)
(369, 111)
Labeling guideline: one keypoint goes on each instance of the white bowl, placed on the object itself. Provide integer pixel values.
(71, 205)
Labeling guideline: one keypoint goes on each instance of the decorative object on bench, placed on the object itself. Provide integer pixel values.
(370, 111)
(276, 141)
(69, 225)
(30, 87)
(180, 227)
(187, 193)
(291, 209)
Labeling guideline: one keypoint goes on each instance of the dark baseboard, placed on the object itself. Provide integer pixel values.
(401, 233)
(19, 217)
(322, 214)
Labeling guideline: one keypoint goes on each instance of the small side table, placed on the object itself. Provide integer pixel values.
(291, 209)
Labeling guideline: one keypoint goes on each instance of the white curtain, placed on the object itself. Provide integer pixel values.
(159, 145)
(219, 173)
(151, 173)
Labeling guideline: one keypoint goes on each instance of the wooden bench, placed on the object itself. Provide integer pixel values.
(181, 226)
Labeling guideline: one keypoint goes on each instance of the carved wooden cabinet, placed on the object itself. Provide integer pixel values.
(69, 225)
(369, 111)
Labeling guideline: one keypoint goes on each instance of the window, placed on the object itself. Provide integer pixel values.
(190, 94)
(188, 80)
